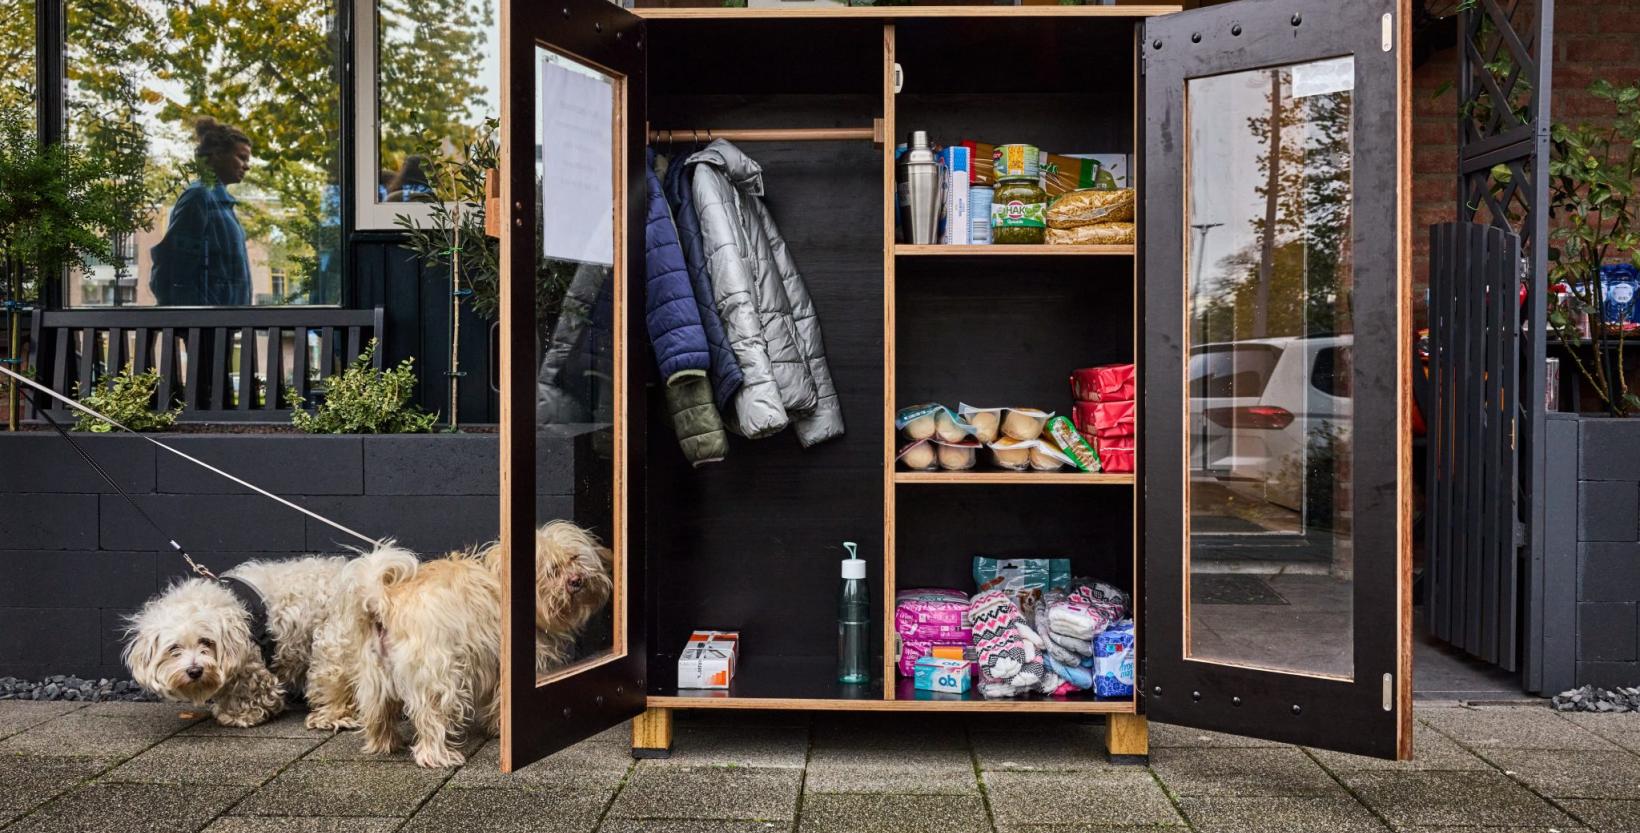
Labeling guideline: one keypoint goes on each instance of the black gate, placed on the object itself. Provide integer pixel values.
(1484, 569)
(1471, 519)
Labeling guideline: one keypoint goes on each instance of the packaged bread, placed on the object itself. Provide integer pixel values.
(1065, 437)
(1105, 234)
(918, 455)
(1024, 423)
(985, 421)
(949, 427)
(957, 456)
(1013, 454)
(917, 421)
(1090, 206)
(1045, 457)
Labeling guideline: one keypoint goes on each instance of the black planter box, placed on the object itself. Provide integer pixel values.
(75, 557)
(1592, 550)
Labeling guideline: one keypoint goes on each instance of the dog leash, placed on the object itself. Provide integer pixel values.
(199, 569)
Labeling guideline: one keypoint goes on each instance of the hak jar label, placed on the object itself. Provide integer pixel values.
(1019, 214)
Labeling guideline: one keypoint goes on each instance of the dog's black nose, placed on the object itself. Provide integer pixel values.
(195, 672)
(575, 583)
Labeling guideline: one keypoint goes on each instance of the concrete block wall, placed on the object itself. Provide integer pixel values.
(75, 557)
(1606, 526)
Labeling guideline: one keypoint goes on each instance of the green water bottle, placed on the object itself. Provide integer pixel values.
(853, 621)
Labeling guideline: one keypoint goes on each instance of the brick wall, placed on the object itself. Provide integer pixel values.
(76, 557)
(1593, 39)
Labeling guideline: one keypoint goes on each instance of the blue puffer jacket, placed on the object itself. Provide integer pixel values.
(725, 369)
(671, 313)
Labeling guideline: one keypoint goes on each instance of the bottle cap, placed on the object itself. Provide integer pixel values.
(854, 567)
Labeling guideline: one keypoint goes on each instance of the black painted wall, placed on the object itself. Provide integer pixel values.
(415, 302)
(1591, 610)
(75, 558)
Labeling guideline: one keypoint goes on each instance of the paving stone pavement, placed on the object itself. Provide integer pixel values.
(1480, 769)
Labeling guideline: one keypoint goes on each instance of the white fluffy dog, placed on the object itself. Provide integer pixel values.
(369, 639)
(196, 642)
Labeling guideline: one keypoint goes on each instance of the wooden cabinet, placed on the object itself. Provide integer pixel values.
(819, 97)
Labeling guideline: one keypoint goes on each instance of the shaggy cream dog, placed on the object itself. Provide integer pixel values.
(195, 643)
(369, 639)
(430, 636)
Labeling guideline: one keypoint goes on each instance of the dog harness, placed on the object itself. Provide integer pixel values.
(251, 598)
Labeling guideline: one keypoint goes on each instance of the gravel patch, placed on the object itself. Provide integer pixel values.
(72, 689)
(1593, 699)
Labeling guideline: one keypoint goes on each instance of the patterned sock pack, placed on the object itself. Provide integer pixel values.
(1010, 662)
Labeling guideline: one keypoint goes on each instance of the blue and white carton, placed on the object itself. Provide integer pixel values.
(945, 675)
(957, 163)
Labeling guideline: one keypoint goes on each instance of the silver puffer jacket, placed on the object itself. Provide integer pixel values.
(767, 313)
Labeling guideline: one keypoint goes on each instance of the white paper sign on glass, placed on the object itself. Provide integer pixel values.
(577, 113)
(1334, 75)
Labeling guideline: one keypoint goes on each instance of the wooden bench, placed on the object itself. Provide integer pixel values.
(200, 355)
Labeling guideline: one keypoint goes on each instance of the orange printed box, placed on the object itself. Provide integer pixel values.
(708, 659)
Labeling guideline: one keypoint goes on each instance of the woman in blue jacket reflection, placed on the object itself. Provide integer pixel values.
(201, 261)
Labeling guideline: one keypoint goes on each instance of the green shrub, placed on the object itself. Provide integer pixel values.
(364, 400)
(129, 401)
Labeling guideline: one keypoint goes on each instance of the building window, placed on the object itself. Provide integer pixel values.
(428, 75)
(229, 117)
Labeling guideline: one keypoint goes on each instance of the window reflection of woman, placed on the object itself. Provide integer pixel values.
(410, 183)
(202, 261)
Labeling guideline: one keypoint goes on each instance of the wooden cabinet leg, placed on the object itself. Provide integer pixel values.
(652, 734)
(1127, 738)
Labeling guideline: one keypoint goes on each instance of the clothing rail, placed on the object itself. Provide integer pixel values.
(874, 133)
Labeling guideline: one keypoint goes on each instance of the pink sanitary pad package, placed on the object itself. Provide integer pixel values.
(927, 618)
(932, 615)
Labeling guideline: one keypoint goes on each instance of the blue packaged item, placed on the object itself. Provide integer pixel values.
(1113, 661)
(951, 676)
(1619, 283)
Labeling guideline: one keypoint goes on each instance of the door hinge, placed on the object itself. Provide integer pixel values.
(1389, 692)
(1386, 37)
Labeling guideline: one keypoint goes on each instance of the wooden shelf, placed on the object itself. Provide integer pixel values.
(1043, 250)
(997, 477)
(810, 683)
(899, 12)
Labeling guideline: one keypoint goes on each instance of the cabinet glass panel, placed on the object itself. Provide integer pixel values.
(1268, 271)
(580, 353)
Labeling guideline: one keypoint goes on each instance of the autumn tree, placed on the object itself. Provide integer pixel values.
(141, 71)
(1300, 251)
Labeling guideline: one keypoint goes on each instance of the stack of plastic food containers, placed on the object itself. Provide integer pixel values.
(1104, 412)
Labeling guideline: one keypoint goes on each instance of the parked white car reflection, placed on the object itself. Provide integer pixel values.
(1263, 410)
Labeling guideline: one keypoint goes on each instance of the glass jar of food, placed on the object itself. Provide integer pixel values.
(1019, 212)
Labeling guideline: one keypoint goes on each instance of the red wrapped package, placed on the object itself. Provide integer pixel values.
(1106, 420)
(1116, 456)
(1106, 383)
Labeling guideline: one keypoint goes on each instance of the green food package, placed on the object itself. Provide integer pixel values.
(1071, 442)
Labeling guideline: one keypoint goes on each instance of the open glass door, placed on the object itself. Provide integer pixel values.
(572, 407)
(1276, 458)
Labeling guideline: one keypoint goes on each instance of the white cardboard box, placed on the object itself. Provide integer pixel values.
(708, 659)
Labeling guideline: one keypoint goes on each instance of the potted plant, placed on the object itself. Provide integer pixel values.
(1589, 500)
(1594, 247)
(60, 206)
(453, 237)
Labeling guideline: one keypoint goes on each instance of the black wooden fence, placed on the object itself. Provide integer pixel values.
(219, 364)
(1472, 528)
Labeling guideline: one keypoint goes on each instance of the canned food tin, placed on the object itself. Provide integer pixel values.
(1017, 162)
